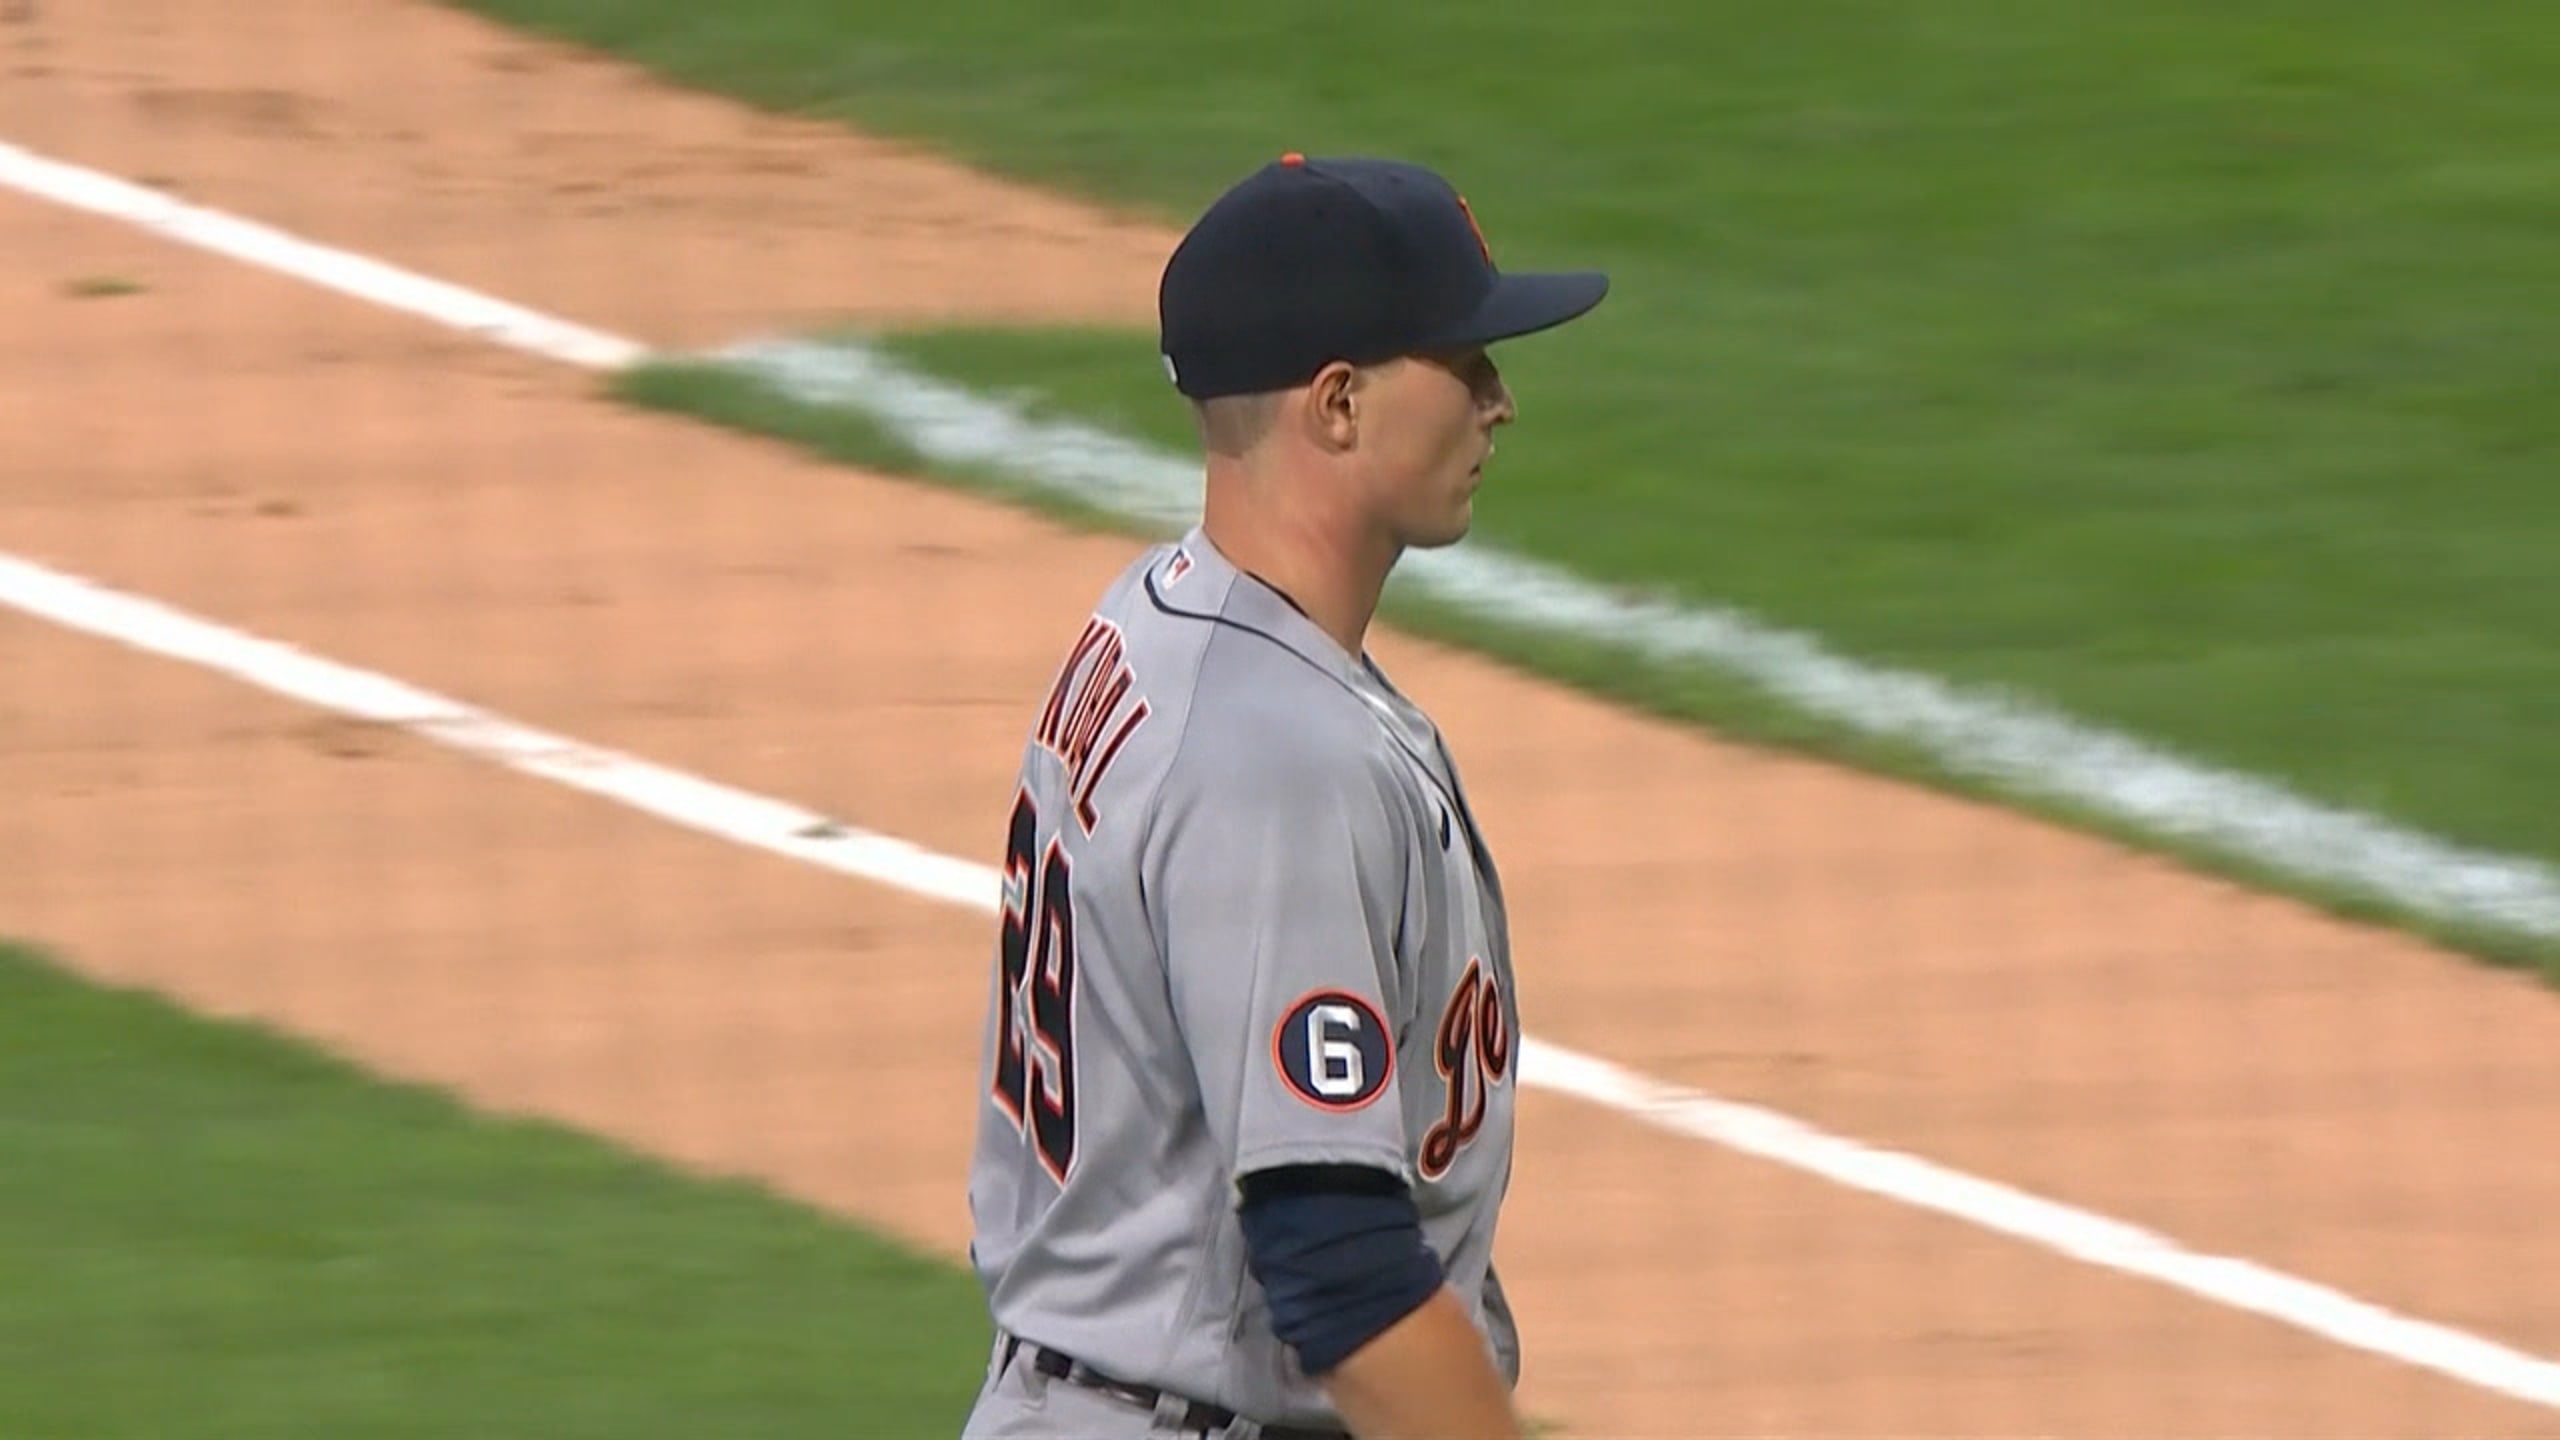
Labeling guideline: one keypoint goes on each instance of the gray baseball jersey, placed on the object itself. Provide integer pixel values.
(1248, 922)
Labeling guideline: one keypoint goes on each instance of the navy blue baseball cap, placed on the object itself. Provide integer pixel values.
(1305, 262)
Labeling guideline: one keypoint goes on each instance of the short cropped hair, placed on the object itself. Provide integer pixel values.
(1231, 425)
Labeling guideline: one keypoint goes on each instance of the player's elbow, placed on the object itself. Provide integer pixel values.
(1339, 1254)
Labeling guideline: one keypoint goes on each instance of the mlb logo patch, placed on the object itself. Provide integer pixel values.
(1176, 568)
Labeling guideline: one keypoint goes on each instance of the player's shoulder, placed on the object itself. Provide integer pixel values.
(1267, 719)
(1269, 710)
(1251, 687)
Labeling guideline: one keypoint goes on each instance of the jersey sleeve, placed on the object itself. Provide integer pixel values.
(1277, 887)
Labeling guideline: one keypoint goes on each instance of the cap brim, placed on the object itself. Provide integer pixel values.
(1526, 304)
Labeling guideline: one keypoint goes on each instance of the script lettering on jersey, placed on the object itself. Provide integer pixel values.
(1088, 700)
(1472, 1052)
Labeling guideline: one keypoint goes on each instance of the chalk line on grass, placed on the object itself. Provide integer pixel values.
(952, 424)
(2009, 741)
(782, 828)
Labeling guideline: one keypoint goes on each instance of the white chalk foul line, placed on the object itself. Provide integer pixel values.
(672, 795)
(782, 828)
(788, 830)
(344, 271)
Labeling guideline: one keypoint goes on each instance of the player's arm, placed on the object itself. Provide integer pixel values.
(1425, 1378)
(1358, 1295)
(1281, 885)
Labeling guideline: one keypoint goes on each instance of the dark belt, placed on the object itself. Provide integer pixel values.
(1199, 1416)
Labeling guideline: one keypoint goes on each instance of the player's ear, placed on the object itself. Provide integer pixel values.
(1332, 406)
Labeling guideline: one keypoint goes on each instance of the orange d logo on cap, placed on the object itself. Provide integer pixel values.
(1470, 212)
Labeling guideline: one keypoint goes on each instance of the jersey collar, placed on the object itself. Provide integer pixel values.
(1195, 578)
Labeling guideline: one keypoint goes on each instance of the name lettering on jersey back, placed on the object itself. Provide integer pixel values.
(1472, 1052)
(1088, 717)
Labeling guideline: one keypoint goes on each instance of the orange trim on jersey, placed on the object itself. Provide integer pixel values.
(1471, 1048)
(1386, 1039)
(1014, 996)
(1085, 813)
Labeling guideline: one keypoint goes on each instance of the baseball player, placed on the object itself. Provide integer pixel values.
(1246, 1111)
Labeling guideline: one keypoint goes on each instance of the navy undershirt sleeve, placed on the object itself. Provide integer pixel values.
(1339, 1253)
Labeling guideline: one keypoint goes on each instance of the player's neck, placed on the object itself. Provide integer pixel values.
(1332, 577)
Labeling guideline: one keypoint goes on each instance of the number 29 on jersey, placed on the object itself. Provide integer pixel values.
(1035, 1046)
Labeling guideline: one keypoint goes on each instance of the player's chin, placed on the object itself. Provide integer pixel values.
(1445, 529)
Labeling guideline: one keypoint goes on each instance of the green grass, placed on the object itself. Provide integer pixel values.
(205, 1231)
(2183, 363)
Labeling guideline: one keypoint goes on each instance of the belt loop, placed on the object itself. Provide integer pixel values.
(1012, 1347)
(1176, 1415)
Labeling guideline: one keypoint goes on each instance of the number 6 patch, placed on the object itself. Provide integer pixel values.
(1333, 1049)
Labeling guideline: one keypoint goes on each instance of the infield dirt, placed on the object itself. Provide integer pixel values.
(2242, 1073)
